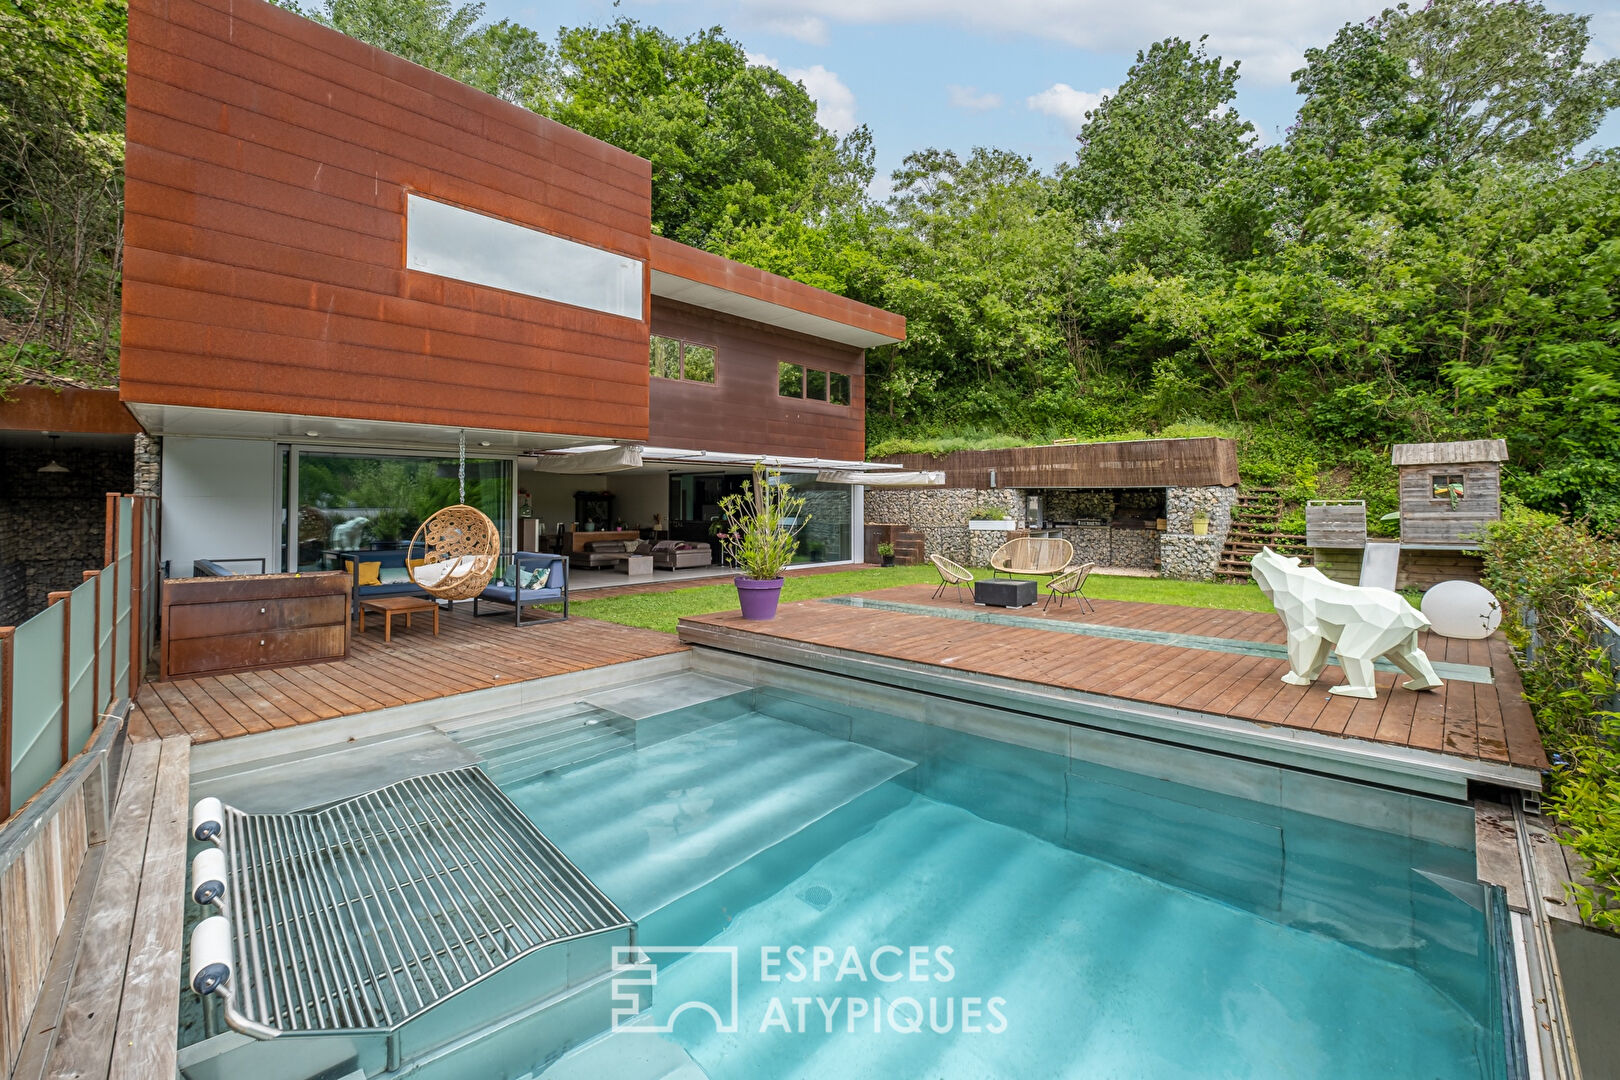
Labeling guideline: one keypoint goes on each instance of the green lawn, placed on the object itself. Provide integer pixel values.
(661, 610)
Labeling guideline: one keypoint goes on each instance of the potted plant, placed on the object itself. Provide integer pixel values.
(990, 519)
(886, 553)
(1200, 522)
(760, 538)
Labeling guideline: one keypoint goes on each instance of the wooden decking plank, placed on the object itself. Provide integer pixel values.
(252, 700)
(1461, 718)
(1428, 721)
(200, 692)
(223, 723)
(84, 1036)
(1524, 741)
(148, 1017)
(165, 696)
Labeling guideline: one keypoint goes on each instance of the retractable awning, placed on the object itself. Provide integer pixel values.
(589, 462)
(881, 479)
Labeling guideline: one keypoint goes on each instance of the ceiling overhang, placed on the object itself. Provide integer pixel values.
(187, 420)
(714, 298)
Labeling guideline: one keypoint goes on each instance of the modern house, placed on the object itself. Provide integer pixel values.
(341, 268)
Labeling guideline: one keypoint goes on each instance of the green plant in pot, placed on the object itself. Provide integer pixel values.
(761, 537)
(886, 553)
(1200, 524)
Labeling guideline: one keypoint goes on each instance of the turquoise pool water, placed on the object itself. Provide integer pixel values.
(1032, 913)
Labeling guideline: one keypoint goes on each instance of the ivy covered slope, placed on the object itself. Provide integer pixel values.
(61, 189)
(1421, 257)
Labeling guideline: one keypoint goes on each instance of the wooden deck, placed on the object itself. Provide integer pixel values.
(468, 654)
(1487, 722)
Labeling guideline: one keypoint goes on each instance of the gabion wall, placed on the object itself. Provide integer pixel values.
(941, 515)
(1183, 555)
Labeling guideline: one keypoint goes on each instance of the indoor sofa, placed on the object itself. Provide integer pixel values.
(681, 554)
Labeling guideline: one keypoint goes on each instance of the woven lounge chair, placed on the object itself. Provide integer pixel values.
(1071, 582)
(1033, 555)
(950, 574)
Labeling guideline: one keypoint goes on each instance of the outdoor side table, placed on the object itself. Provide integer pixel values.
(1004, 592)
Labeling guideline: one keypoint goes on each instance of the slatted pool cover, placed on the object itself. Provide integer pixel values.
(365, 913)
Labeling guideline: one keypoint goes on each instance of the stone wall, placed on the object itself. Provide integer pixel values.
(1183, 555)
(941, 515)
(1131, 548)
(148, 466)
(52, 525)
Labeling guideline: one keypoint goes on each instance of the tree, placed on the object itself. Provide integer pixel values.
(1165, 138)
(62, 73)
(732, 144)
(502, 58)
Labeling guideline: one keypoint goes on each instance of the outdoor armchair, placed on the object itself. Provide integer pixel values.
(1071, 582)
(950, 574)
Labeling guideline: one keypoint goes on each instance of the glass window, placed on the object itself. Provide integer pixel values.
(790, 380)
(469, 246)
(816, 385)
(838, 384)
(665, 359)
(353, 502)
(699, 364)
(1448, 487)
(826, 536)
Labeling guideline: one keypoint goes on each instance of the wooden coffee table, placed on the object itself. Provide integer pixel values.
(389, 606)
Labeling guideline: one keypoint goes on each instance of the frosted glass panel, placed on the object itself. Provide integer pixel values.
(36, 703)
(468, 246)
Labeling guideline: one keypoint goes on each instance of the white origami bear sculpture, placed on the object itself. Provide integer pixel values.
(1359, 624)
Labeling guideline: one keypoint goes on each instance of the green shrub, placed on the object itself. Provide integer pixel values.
(1554, 574)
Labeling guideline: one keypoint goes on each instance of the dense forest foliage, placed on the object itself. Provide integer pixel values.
(1423, 256)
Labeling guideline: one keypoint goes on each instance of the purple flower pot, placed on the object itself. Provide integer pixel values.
(758, 598)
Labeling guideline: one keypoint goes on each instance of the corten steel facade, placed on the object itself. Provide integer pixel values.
(269, 165)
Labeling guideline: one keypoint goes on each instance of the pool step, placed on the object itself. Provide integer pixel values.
(654, 826)
(558, 752)
(626, 1055)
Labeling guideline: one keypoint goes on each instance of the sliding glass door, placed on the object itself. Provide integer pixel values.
(354, 501)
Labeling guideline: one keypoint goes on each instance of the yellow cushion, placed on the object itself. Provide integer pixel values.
(371, 573)
(412, 564)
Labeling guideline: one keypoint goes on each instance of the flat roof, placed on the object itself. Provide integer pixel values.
(1133, 463)
(705, 280)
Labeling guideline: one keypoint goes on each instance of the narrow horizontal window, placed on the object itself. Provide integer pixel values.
(469, 246)
(664, 358)
(699, 364)
(839, 388)
(816, 385)
(790, 380)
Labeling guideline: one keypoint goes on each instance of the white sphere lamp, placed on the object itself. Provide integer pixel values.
(1462, 609)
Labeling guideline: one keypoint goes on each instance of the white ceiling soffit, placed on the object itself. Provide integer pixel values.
(881, 479)
(590, 462)
(316, 431)
(763, 311)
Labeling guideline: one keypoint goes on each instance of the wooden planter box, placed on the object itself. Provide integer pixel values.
(1337, 525)
(217, 625)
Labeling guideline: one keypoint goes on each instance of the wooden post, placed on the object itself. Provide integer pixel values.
(95, 654)
(67, 665)
(109, 536)
(137, 663)
(5, 720)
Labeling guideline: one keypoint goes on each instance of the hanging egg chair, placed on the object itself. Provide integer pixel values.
(460, 550)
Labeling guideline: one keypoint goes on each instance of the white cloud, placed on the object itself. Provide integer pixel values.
(806, 28)
(835, 102)
(969, 98)
(1269, 36)
(1067, 105)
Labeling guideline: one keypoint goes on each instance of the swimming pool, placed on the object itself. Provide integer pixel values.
(828, 889)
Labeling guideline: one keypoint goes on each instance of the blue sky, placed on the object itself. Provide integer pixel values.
(1016, 74)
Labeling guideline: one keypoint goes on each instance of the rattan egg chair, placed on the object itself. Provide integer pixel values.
(460, 535)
